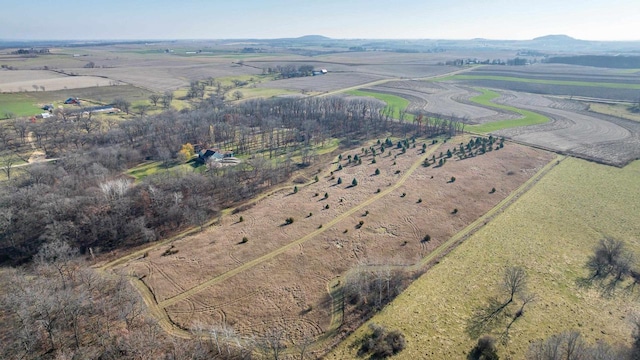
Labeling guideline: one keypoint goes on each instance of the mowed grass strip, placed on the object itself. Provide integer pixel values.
(550, 231)
(543, 81)
(396, 103)
(528, 117)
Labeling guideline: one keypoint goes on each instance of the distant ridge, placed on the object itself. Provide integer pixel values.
(556, 38)
(313, 38)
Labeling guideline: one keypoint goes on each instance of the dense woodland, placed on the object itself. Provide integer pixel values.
(605, 61)
(85, 199)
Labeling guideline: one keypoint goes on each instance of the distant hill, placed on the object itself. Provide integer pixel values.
(313, 38)
(556, 38)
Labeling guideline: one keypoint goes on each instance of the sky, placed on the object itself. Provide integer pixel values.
(341, 19)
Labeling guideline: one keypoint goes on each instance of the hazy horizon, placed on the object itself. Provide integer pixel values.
(595, 20)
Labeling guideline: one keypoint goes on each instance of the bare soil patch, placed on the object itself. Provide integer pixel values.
(289, 289)
(575, 131)
(25, 80)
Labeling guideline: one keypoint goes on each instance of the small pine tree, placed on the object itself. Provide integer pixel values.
(377, 172)
(453, 178)
(492, 190)
(326, 206)
(373, 161)
(316, 178)
(244, 240)
(340, 167)
(354, 182)
(295, 189)
(241, 219)
(326, 195)
(339, 180)
(377, 191)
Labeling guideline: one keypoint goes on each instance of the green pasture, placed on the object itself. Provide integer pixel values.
(542, 81)
(20, 104)
(528, 117)
(396, 103)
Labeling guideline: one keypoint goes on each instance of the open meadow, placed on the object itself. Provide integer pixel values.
(550, 231)
(255, 271)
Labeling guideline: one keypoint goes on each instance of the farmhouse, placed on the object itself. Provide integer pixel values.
(72, 100)
(214, 154)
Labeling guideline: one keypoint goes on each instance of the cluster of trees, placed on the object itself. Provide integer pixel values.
(611, 265)
(606, 61)
(381, 343)
(59, 307)
(369, 288)
(289, 71)
(570, 345)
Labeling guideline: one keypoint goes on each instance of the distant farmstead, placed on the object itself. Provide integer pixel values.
(74, 101)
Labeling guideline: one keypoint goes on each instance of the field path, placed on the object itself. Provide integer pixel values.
(198, 288)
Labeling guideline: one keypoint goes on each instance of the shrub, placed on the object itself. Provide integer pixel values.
(326, 206)
(419, 200)
(382, 343)
(310, 215)
(485, 349)
(492, 190)
(244, 240)
(320, 226)
(403, 195)
(288, 221)
(453, 178)
(241, 219)
(377, 191)
(397, 172)
(366, 213)
(426, 238)
(316, 178)
(316, 194)
(373, 161)
(455, 211)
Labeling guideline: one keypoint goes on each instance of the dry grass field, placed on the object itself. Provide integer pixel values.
(279, 277)
(550, 231)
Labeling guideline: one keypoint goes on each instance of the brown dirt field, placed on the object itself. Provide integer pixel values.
(444, 99)
(573, 130)
(289, 288)
(322, 83)
(23, 80)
